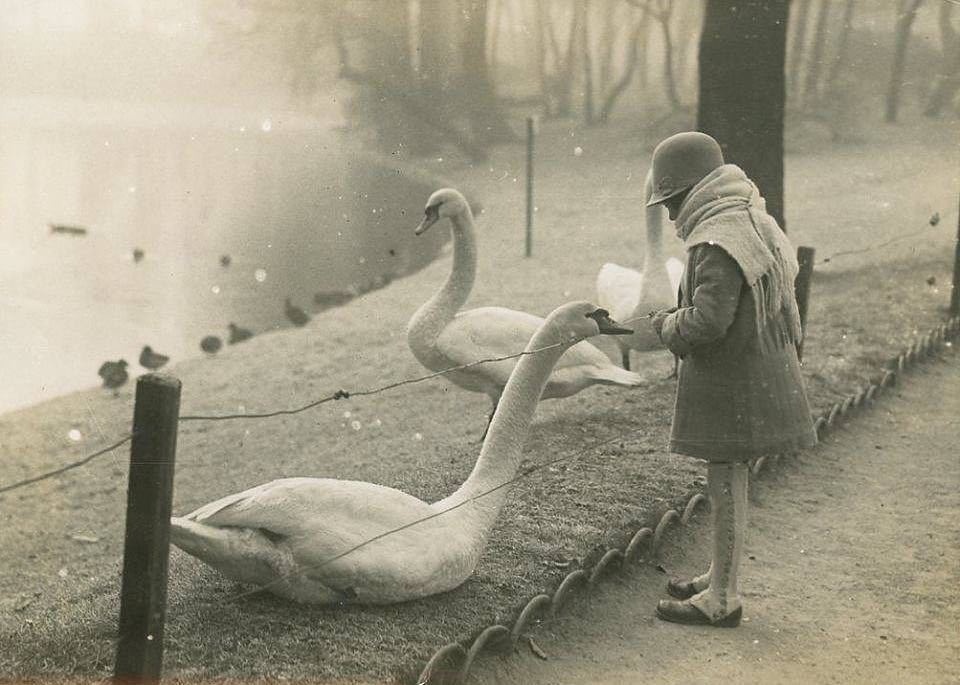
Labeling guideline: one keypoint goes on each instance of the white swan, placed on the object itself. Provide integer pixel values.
(629, 294)
(440, 336)
(287, 536)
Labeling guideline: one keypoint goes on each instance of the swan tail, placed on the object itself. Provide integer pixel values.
(238, 553)
(613, 375)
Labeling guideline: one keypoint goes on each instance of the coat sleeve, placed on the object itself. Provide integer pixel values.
(717, 281)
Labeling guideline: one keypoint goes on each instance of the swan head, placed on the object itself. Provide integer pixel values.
(579, 320)
(445, 202)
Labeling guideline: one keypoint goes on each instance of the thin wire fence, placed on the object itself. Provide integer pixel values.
(345, 394)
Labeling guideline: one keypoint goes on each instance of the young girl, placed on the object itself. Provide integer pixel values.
(740, 392)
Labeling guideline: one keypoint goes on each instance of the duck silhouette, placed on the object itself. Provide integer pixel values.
(150, 359)
(137, 255)
(225, 260)
(211, 344)
(238, 334)
(114, 374)
(297, 316)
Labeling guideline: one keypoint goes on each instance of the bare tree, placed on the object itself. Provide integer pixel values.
(840, 55)
(797, 44)
(662, 10)
(816, 55)
(906, 14)
(488, 123)
(586, 48)
(631, 62)
(948, 80)
(742, 88)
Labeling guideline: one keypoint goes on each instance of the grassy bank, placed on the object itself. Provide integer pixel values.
(61, 539)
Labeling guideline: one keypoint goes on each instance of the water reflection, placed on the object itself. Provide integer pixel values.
(188, 229)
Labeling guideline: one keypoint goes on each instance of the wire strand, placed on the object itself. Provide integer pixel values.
(68, 467)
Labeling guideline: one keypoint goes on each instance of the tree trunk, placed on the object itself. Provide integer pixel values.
(630, 67)
(840, 57)
(948, 80)
(608, 39)
(488, 124)
(540, 46)
(742, 89)
(797, 45)
(907, 12)
(816, 55)
(565, 69)
(586, 47)
(670, 81)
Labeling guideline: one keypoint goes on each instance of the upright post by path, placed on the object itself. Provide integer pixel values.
(805, 257)
(531, 132)
(143, 594)
(955, 287)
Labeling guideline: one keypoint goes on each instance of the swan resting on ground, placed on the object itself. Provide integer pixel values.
(287, 536)
(629, 294)
(441, 336)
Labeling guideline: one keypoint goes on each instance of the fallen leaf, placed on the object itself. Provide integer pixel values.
(535, 648)
(84, 538)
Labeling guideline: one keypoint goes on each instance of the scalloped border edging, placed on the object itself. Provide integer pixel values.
(544, 605)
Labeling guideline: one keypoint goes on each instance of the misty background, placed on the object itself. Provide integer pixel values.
(300, 140)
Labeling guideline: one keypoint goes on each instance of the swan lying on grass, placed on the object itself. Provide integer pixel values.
(302, 538)
(441, 336)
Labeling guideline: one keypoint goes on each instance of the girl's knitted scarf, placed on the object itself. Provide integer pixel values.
(726, 209)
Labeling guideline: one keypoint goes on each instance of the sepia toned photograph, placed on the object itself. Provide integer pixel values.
(447, 342)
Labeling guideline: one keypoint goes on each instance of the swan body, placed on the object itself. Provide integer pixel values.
(630, 295)
(299, 537)
(441, 336)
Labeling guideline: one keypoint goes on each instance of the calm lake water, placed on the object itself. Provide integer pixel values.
(295, 210)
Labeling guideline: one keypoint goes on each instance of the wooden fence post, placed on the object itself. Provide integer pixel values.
(801, 286)
(955, 287)
(143, 594)
(531, 132)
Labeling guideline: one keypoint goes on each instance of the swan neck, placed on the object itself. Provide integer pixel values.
(502, 450)
(654, 250)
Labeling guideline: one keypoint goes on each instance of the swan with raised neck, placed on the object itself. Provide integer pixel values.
(630, 295)
(441, 336)
(293, 536)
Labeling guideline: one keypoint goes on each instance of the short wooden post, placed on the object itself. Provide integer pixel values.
(801, 286)
(531, 132)
(143, 594)
(955, 287)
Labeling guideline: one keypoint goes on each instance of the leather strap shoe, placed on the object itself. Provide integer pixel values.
(687, 614)
(681, 589)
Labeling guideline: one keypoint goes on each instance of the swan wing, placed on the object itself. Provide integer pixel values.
(674, 273)
(618, 289)
(294, 506)
(488, 332)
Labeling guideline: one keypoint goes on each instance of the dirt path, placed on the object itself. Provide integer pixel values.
(852, 573)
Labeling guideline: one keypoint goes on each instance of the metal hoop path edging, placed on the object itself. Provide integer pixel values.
(669, 516)
(757, 465)
(820, 426)
(919, 350)
(609, 557)
(690, 509)
(641, 536)
(494, 632)
(426, 675)
(560, 596)
(540, 603)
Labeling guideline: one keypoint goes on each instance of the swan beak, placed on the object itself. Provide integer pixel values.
(424, 225)
(607, 325)
(430, 217)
